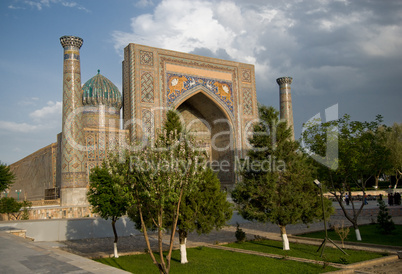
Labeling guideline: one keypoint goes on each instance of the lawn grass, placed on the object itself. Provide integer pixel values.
(331, 254)
(369, 234)
(209, 260)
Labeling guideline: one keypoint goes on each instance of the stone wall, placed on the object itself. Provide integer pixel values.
(55, 212)
(34, 174)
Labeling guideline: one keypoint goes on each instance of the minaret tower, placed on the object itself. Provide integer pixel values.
(73, 165)
(285, 98)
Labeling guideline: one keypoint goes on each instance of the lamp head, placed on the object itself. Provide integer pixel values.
(317, 183)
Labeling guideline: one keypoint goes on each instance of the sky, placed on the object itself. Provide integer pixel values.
(341, 54)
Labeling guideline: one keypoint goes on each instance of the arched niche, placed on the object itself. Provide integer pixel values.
(211, 125)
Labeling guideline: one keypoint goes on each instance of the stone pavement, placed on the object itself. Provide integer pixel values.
(19, 255)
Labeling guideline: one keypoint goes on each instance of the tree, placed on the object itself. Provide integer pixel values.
(277, 179)
(394, 144)
(159, 177)
(10, 206)
(362, 155)
(7, 177)
(384, 220)
(107, 195)
(203, 209)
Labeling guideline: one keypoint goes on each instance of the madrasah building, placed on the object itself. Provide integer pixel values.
(215, 98)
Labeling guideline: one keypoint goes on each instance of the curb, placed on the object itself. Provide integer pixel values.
(352, 267)
(275, 256)
(353, 245)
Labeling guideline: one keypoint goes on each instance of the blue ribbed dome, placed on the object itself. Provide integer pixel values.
(101, 91)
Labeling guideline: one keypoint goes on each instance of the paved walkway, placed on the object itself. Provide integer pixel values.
(18, 255)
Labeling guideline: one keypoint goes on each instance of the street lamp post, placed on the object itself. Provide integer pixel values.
(322, 246)
(18, 194)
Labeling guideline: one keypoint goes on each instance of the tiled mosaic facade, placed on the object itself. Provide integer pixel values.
(247, 102)
(179, 84)
(100, 143)
(147, 87)
(148, 123)
(206, 89)
(73, 168)
(217, 99)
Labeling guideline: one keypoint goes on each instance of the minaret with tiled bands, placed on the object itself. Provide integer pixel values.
(285, 98)
(73, 165)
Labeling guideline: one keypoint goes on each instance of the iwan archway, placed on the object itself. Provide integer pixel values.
(216, 98)
(212, 128)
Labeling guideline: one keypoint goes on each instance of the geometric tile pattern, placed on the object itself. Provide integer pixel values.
(247, 102)
(148, 123)
(147, 87)
(178, 84)
(246, 75)
(73, 166)
(132, 95)
(100, 143)
(146, 58)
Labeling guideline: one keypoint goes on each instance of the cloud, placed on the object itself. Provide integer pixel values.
(317, 42)
(28, 101)
(144, 3)
(18, 127)
(12, 7)
(53, 109)
(47, 117)
(40, 4)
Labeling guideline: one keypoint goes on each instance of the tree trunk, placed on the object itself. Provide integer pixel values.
(285, 239)
(169, 255)
(116, 255)
(144, 228)
(377, 177)
(358, 237)
(183, 250)
(397, 177)
(355, 213)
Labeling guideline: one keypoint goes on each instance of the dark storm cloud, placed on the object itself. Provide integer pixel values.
(338, 52)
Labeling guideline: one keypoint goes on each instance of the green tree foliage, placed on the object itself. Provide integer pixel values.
(173, 123)
(26, 205)
(108, 197)
(362, 155)
(394, 144)
(7, 178)
(203, 209)
(277, 180)
(159, 177)
(384, 220)
(11, 207)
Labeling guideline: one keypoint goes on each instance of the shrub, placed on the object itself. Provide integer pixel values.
(384, 220)
(240, 234)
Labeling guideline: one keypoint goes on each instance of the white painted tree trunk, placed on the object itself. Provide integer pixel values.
(116, 255)
(285, 241)
(358, 237)
(183, 252)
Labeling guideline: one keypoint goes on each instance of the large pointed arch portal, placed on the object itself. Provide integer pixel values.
(212, 127)
(217, 99)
